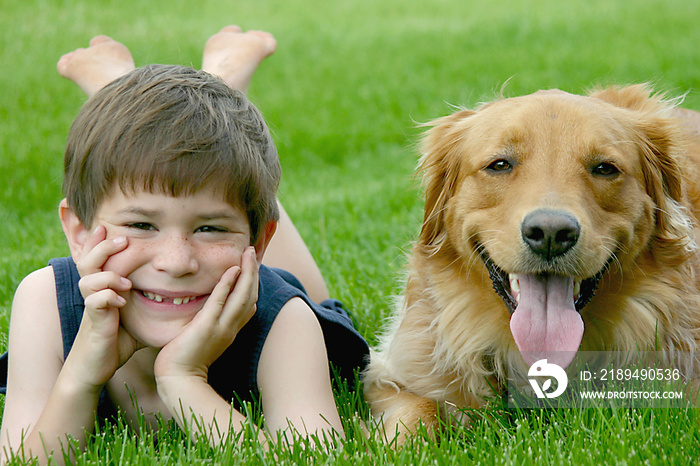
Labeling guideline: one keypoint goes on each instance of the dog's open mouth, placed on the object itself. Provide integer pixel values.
(507, 286)
(545, 311)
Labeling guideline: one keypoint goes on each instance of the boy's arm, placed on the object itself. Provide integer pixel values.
(47, 398)
(294, 377)
(182, 366)
(199, 410)
(41, 406)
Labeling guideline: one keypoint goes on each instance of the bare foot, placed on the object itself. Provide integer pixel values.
(96, 66)
(234, 55)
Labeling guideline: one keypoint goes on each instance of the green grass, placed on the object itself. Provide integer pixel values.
(343, 96)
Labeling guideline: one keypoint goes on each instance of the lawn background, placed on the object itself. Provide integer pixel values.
(343, 95)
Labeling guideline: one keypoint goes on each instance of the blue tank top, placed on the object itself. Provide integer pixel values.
(234, 374)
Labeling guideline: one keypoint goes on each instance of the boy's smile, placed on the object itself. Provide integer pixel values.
(178, 249)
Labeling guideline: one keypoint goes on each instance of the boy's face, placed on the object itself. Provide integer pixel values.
(178, 248)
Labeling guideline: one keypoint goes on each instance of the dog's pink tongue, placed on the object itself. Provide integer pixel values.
(545, 323)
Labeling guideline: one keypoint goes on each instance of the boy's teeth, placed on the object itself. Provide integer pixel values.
(153, 296)
(159, 299)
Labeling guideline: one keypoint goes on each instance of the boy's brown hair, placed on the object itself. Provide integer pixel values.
(171, 130)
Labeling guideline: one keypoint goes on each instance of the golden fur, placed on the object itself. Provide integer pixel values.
(449, 340)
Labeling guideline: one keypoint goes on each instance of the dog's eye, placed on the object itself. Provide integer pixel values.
(605, 169)
(500, 165)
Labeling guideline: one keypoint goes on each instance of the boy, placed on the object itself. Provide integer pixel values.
(170, 182)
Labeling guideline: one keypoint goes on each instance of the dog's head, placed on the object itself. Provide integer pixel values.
(551, 191)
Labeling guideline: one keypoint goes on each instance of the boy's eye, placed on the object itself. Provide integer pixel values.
(211, 229)
(141, 226)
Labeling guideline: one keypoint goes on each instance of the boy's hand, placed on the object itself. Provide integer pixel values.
(101, 345)
(229, 307)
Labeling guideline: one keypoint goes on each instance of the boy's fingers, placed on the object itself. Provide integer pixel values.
(103, 300)
(231, 299)
(240, 304)
(95, 257)
(96, 282)
(98, 235)
(220, 294)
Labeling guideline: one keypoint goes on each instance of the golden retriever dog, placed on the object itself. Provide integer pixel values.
(554, 223)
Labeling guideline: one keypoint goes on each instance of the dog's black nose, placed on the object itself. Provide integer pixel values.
(550, 233)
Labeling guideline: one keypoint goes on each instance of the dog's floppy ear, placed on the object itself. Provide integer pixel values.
(440, 166)
(660, 151)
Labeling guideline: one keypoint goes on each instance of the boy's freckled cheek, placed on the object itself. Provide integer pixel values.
(225, 255)
(124, 262)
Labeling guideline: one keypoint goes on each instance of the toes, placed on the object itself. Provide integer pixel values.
(267, 38)
(63, 62)
(231, 28)
(101, 39)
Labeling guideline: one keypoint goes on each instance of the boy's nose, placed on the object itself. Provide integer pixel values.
(176, 256)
